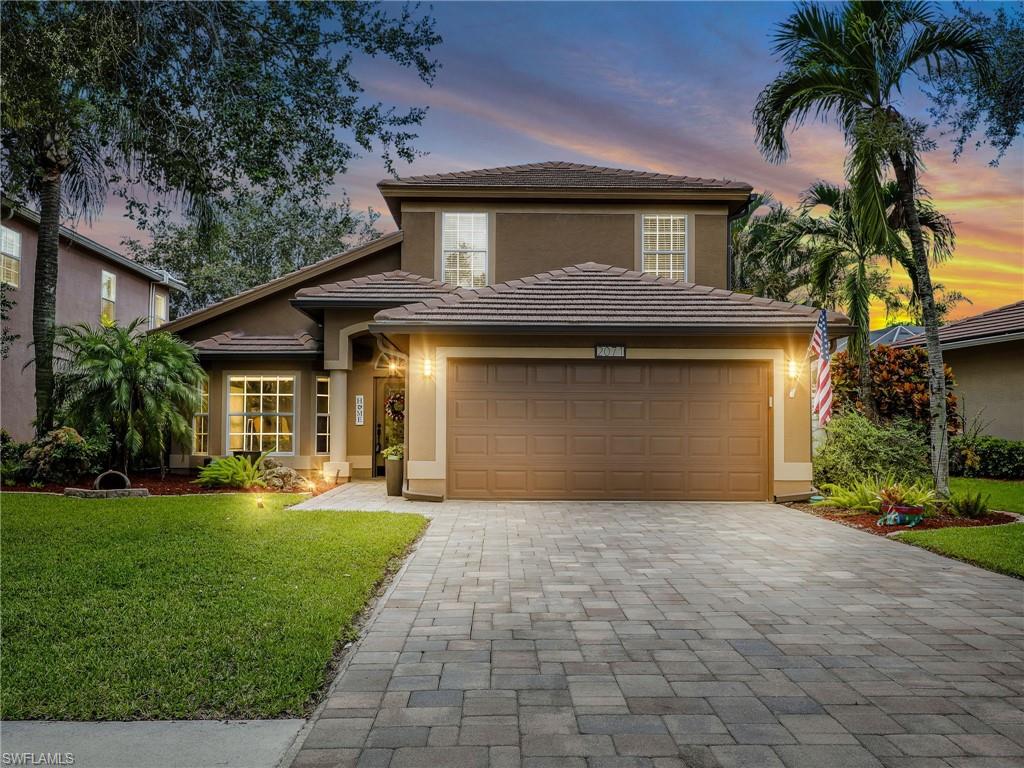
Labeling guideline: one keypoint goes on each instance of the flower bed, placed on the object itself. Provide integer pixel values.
(170, 485)
(866, 521)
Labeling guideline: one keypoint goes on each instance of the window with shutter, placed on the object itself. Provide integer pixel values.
(664, 245)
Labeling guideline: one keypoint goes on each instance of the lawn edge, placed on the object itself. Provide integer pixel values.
(342, 657)
(990, 568)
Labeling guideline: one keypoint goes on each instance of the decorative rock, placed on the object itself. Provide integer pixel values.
(113, 493)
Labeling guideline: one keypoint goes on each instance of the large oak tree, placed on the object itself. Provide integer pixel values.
(179, 106)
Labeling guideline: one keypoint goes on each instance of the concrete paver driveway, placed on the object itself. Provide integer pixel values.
(608, 634)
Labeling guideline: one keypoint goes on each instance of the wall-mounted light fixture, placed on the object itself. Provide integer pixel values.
(392, 367)
(428, 367)
(792, 374)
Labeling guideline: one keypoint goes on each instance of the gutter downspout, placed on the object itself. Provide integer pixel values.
(728, 239)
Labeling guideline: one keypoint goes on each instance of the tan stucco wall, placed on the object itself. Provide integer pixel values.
(796, 423)
(990, 386)
(532, 238)
(78, 301)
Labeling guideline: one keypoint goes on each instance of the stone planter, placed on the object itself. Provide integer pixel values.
(393, 476)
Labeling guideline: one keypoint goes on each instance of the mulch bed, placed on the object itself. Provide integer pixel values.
(866, 521)
(169, 485)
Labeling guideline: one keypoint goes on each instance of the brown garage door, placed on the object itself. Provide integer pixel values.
(607, 430)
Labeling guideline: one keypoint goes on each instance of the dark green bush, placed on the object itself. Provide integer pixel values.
(234, 472)
(856, 448)
(971, 505)
(64, 456)
(982, 456)
(12, 461)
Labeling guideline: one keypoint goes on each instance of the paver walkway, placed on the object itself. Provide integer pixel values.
(585, 635)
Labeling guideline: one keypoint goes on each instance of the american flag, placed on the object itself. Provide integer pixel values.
(822, 402)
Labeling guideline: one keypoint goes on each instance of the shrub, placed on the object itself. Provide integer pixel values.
(973, 456)
(12, 462)
(63, 456)
(233, 472)
(972, 505)
(899, 385)
(875, 493)
(856, 448)
(916, 494)
(861, 496)
(396, 451)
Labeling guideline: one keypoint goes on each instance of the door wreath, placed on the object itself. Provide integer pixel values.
(394, 406)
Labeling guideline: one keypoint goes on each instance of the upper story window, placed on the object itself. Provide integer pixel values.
(108, 297)
(160, 310)
(464, 240)
(10, 248)
(663, 248)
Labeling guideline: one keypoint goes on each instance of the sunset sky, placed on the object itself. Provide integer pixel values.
(663, 87)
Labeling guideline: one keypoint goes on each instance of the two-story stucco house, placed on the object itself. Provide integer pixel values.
(559, 331)
(94, 283)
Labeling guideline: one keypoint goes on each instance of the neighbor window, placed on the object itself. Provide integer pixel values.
(159, 310)
(664, 245)
(464, 249)
(201, 421)
(261, 413)
(10, 247)
(323, 414)
(108, 297)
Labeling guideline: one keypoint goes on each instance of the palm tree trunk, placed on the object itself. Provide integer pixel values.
(44, 297)
(907, 180)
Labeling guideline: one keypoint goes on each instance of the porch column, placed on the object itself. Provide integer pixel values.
(338, 466)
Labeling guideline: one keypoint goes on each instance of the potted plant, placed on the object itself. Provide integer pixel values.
(393, 466)
(904, 504)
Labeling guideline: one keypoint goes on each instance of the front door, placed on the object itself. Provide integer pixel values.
(388, 418)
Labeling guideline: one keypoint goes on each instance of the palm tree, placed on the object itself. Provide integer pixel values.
(143, 387)
(904, 303)
(847, 62)
(760, 265)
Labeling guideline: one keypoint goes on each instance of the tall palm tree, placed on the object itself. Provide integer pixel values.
(143, 387)
(847, 63)
(761, 265)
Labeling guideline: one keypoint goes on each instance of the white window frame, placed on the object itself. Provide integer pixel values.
(158, 317)
(482, 256)
(112, 298)
(10, 248)
(322, 409)
(202, 416)
(294, 414)
(666, 253)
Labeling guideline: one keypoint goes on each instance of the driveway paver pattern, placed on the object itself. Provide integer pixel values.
(642, 635)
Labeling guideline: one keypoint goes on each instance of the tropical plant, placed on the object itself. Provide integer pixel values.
(860, 496)
(177, 107)
(856, 447)
(143, 387)
(234, 472)
(899, 386)
(396, 451)
(903, 303)
(847, 62)
(894, 493)
(969, 505)
(762, 264)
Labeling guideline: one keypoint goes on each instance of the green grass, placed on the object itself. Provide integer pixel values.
(1007, 495)
(180, 607)
(998, 548)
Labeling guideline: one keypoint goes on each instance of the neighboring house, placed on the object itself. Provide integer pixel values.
(889, 335)
(986, 353)
(93, 283)
(635, 374)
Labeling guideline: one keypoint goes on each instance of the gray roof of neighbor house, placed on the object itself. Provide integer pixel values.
(889, 335)
(384, 289)
(562, 180)
(234, 343)
(1000, 324)
(156, 275)
(598, 297)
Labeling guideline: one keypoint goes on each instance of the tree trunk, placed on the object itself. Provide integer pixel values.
(44, 297)
(907, 180)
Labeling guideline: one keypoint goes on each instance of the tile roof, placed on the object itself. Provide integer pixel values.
(562, 175)
(602, 298)
(387, 288)
(240, 343)
(979, 329)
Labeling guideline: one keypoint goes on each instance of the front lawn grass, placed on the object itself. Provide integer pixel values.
(998, 547)
(180, 607)
(1007, 495)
